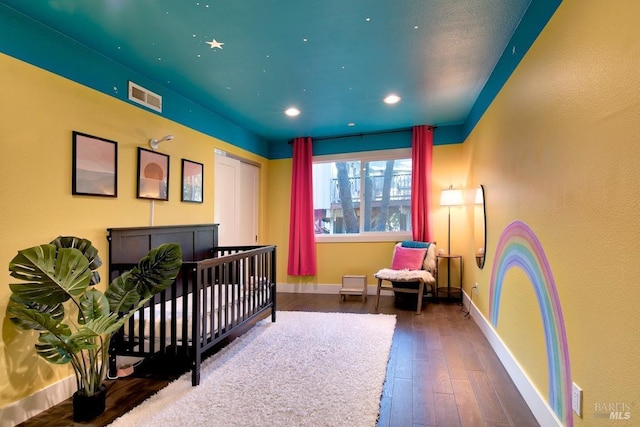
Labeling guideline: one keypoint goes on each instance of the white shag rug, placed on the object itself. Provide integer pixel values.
(306, 369)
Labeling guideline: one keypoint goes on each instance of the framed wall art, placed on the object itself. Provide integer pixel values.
(95, 166)
(153, 175)
(192, 181)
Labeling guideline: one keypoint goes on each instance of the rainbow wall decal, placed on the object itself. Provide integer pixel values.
(519, 247)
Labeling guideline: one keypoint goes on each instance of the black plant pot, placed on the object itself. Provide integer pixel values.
(86, 408)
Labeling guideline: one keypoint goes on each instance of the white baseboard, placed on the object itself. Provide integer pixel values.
(538, 405)
(294, 288)
(25, 408)
(314, 288)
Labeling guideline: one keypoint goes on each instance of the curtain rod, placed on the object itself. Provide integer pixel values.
(362, 134)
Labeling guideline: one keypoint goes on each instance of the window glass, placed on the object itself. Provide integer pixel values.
(360, 195)
(387, 201)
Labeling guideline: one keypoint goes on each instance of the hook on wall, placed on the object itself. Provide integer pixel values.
(153, 143)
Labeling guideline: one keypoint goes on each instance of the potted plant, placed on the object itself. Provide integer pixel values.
(75, 321)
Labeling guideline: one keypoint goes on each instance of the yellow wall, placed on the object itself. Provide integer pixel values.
(559, 149)
(39, 111)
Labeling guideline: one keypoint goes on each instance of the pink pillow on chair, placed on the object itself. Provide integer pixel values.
(408, 258)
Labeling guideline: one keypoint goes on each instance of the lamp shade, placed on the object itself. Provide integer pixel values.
(451, 197)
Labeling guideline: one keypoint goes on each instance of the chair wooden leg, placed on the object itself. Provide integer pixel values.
(420, 293)
(378, 293)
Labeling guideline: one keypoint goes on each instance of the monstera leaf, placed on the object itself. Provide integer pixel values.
(103, 325)
(93, 305)
(35, 319)
(57, 349)
(88, 250)
(52, 275)
(123, 294)
(157, 270)
(154, 273)
(30, 318)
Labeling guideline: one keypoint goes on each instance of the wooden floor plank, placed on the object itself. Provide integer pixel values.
(446, 410)
(490, 405)
(403, 341)
(455, 363)
(440, 380)
(467, 404)
(468, 353)
(402, 403)
(420, 345)
(424, 405)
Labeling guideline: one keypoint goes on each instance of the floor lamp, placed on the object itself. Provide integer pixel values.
(450, 197)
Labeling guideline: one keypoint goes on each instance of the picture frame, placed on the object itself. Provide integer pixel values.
(153, 175)
(94, 166)
(192, 181)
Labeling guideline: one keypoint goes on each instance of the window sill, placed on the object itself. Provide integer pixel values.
(363, 237)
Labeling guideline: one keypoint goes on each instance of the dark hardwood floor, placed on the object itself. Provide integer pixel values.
(441, 371)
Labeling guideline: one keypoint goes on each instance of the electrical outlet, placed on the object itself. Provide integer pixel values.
(476, 287)
(576, 399)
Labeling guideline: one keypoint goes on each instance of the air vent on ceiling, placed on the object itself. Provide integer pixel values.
(145, 97)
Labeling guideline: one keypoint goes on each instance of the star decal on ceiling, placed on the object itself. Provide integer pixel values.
(214, 43)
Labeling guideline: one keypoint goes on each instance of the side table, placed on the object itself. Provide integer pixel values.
(452, 292)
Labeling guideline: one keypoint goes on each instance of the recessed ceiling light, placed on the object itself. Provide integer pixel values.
(350, 124)
(392, 99)
(292, 112)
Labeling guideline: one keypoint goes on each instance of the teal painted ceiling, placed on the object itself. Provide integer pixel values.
(335, 60)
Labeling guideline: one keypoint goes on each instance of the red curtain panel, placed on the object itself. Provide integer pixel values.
(302, 242)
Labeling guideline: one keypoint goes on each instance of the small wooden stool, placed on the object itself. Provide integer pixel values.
(354, 285)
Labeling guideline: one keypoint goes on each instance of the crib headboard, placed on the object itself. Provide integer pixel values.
(129, 245)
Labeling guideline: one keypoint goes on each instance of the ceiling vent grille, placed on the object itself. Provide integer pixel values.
(145, 97)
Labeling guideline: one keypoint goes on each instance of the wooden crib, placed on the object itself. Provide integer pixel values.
(218, 290)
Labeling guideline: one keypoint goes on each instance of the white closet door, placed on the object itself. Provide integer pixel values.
(235, 201)
(248, 203)
(224, 202)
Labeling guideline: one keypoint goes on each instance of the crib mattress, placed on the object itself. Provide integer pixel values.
(226, 302)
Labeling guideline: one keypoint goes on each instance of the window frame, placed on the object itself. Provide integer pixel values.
(363, 157)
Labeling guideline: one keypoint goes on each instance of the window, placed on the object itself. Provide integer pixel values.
(363, 193)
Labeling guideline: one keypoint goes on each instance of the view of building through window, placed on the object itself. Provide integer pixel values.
(356, 196)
